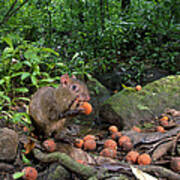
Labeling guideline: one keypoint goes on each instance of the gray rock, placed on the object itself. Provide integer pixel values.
(8, 144)
(129, 107)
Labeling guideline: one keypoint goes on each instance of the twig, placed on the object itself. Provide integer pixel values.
(10, 13)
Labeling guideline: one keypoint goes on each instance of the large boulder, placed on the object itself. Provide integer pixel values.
(8, 144)
(128, 108)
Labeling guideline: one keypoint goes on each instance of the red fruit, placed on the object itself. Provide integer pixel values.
(164, 123)
(50, 145)
(144, 159)
(138, 87)
(123, 139)
(160, 129)
(136, 129)
(81, 161)
(79, 143)
(90, 145)
(89, 137)
(116, 135)
(109, 143)
(30, 173)
(132, 156)
(127, 146)
(108, 152)
(87, 108)
(113, 129)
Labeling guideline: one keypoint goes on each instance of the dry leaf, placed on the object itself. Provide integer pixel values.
(141, 175)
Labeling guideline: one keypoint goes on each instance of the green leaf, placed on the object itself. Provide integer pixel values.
(26, 160)
(50, 51)
(16, 74)
(2, 81)
(18, 175)
(21, 98)
(141, 107)
(4, 97)
(48, 80)
(27, 63)
(34, 80)
(30, 54)
(23, 90)
(8, 40)
(128, 88)
(25, 75)
(19, 117)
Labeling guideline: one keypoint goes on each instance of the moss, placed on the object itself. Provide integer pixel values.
(151, 101)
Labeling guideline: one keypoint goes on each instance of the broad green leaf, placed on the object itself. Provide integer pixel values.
(18, 175)
(16, 74)
(25, 75)
(34, 80)
(8, 40)
(27, 63)
(75, 56)
(48, 80)
(20, 117)
(22, 90)
(2, 81)
(30, 54)
(50, 51)
(60, 65)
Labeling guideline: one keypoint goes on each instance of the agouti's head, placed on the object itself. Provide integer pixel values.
(77, 87)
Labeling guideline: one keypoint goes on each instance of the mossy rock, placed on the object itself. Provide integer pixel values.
(129, 107)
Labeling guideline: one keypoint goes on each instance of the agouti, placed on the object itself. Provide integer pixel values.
(51, 107)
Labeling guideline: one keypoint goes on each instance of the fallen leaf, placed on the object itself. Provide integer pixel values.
(141, 175)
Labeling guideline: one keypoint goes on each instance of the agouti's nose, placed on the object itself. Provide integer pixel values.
(88, 98)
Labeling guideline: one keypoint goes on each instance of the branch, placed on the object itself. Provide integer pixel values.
(13, 12)
(7, 14)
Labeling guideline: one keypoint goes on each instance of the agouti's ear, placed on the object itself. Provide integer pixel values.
(74, 77)
(64, 79)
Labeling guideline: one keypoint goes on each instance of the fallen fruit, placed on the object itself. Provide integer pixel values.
(144, 159)
(160, 129)
(109, 143)
(30, 173)
(175, 164)
(123, 139)
(116, 135)
(138, 87)
(87, 108)
(108, 152)
(89, 137)
(135, 128)
(113, 129)
(25, 129)
(164, 118)
(49, 145)
(90, 145)
(79, 143)
(132, 156)
(127, 146)
(81, 161)
(164, 123)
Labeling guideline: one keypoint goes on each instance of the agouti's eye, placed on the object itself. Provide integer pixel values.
(74, 87)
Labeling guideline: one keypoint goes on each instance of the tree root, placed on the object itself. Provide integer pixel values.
(66, 161)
